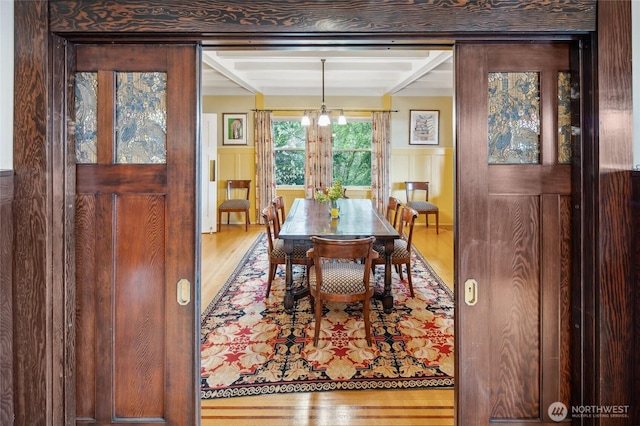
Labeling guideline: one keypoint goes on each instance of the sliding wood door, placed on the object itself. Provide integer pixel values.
(514, 233)
(137, 312)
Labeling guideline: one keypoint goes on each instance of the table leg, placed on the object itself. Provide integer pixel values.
(289, 297)
(387, 297)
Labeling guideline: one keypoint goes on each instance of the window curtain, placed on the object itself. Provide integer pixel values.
(380, 159)
(265, 162)
(319, 160)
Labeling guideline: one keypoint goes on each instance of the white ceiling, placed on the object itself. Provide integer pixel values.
(347, 72)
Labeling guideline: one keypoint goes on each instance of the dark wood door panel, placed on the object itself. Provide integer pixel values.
(87, 303)
(136, 231)
(133, 57)
(121, 178)
(515, 240)
(555, 298)
(530, 179)
(514, 305)
(139, 293)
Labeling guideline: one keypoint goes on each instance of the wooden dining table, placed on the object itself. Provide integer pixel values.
(358, 219)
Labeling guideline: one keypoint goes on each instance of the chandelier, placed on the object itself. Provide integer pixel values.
(324, 119)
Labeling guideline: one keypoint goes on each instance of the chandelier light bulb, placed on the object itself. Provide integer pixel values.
(305, 119)
(342, 119)
(324, 120)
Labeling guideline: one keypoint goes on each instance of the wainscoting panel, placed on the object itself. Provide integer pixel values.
(6, 296)
(431, 164)
(434, 165)
(236, 163)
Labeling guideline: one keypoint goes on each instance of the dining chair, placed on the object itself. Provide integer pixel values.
(276, 252)
(278, 204)
(231, 204)
(402, 246)
(334, 277)
(412, 190)
(391, 214)
(392, 210)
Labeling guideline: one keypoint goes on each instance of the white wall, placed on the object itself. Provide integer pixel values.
(635, 34)
(6, 85)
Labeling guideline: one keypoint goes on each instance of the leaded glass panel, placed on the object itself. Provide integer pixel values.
(86, 117)
(564, 117)
(141, 117)
(514, 117)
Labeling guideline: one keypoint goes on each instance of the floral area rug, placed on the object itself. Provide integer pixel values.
(251, 346)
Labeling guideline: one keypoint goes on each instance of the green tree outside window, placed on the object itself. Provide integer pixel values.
(351, 148)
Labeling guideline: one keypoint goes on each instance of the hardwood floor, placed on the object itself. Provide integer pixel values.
(221, 253)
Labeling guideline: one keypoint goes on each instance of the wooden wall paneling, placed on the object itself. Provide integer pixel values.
(614, 306)
(6, 297)
(359, 16)
(32, 270)
(635, 380)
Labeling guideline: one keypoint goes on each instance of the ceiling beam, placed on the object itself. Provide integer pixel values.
(431, 63)
(211, 61)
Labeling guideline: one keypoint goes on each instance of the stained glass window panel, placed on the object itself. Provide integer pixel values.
(514, 118)
(564, 117)
(141, 117)
(86, 117)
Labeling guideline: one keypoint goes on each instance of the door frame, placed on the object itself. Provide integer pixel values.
(580, 382)
(52, 176)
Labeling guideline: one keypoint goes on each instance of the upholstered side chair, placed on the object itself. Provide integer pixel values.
(335, 277)
(237, 204)
(421, 204)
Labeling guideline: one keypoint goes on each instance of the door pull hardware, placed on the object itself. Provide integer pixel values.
(212, 170)
(184, 292)
(471, 292)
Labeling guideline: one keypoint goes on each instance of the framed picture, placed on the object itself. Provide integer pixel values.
(235, 129)
(424, 127)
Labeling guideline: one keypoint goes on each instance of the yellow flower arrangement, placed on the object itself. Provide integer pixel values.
(331, 194)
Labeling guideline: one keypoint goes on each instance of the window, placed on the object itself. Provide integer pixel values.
(352, 153)
(289, 138)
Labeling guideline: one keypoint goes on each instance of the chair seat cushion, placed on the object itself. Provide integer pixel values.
(340, 278)
(422, 206)
(299, 251)
(235, 204)
(400, 249)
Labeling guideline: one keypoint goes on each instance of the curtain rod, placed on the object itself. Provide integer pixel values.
(330, 110)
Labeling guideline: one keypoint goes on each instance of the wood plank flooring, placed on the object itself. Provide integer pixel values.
(221, 253)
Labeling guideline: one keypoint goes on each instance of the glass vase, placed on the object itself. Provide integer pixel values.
(334, 209)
